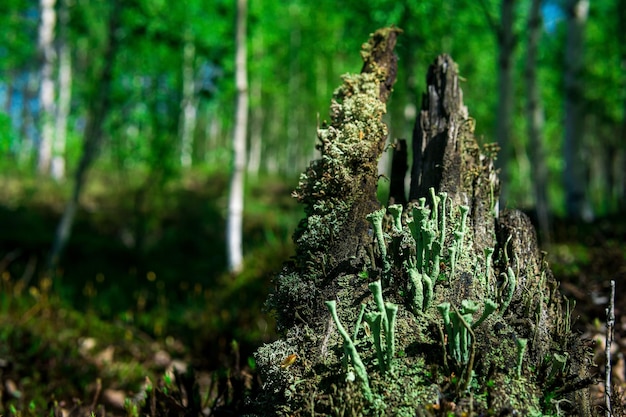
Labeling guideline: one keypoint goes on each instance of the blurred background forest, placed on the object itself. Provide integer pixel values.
(118, 117)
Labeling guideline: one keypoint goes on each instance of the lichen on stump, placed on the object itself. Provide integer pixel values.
(442, 306)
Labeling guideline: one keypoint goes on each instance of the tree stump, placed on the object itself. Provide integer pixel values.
(438, 306)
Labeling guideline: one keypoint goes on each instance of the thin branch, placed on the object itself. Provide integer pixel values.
(610, 324)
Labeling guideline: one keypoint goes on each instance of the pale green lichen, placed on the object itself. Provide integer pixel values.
(521, 349)
(376, 220)
(355, 358)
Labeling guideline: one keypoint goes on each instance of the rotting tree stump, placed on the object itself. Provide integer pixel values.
(440, 305)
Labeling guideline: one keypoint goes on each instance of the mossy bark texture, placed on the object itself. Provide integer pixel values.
(450, 310)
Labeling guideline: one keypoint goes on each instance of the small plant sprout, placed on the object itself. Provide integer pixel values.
(558, 365)
(376, 219)
(416, 288)
(428, 291)
(357, 363)
(382, 322)
(509, 289)
(452, 252)
(396, 213)
(390, 334)
(442, 226)
(358, 321)
(374, 319)
(418, 229)
(459, 330)
(490, 307)
(521, 349)
(464, 212)
(435, 212)
(377, 291)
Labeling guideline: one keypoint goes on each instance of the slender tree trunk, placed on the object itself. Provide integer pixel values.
(28, 142)
(94, 130)
(235, 202)
(620, 158)
(535, 122)
(65, 95)
(504, 114)
(256, 131)
(574, 179)
(257, 110)
(46, 91)
(189, 104)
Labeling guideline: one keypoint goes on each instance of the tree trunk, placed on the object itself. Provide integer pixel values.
(65, 95)
(256, 129)
(620, 158)
(535, 122)
(189, 103)
(28, 143)
(574, 180)
(94, 130)
(444, 304)
(506, 90)
(46, 91)
(235, 200)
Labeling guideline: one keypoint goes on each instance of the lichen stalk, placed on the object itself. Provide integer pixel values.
(521, 349)
(390, 334)
(357, 363)
(376, 219)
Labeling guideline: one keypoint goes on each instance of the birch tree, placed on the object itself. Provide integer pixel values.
(189, 105)
(235, 200)
(99, 106)
(46, 90)
(574, 174)
(535, 120)
(65, 94)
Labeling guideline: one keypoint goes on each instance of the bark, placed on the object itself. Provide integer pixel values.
(94, 131)
(444, 161)
(236, 201)
(65, 95)
(399, 166)
(574, 180)
(535, 122)
(46, 91)
(189, 105)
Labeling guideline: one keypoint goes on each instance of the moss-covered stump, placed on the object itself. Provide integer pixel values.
(442, 306)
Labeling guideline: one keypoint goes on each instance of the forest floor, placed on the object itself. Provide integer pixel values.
(142, 296)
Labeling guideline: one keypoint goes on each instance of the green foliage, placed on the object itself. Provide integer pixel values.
(295, 53)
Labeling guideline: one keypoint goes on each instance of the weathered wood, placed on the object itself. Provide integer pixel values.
(420, 279)
(399, 166)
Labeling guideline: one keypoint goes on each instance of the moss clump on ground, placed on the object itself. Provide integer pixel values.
(439, 307)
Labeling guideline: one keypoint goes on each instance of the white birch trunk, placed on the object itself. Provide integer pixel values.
(65, 95)
(235, 201)
(574, 179)
(535, 122)
(189, 104)
(46, 90)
